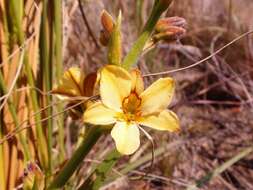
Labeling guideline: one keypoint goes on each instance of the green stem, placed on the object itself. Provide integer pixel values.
(33, 95)
(67, 171)
(58, 69)
(139, 7)
(136, 50)
(16, 11)
(101, 171)
(46, 67)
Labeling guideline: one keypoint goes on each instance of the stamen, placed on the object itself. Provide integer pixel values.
(131, 104)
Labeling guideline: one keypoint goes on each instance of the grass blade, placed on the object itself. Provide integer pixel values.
(204, 180)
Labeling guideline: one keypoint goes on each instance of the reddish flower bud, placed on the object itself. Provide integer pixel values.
(108, 25)
(165, 23)
(169, 29)
(104, 37)
(171, 34)
(107, 21)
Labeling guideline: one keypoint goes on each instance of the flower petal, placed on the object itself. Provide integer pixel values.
(137, 81)
(89, 84)
(166, 120)
(98, 114)
(70, 84)
(157, 96)
(126, 137)
(115, 85)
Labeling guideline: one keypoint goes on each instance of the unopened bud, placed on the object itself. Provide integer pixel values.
(104, 37)
(108, 25)
(107, 21)
(171, 34)
(165, 23)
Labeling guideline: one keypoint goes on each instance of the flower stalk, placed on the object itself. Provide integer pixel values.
(58, 71)
(67, 171)
(159, 7)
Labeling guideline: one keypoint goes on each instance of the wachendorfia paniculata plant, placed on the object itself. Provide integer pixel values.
(114, 99)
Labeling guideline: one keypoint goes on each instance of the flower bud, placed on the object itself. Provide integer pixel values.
(107, 22)
(108, 25)
(165, 23)
(169, 29)
(104, 37)
(171, 34)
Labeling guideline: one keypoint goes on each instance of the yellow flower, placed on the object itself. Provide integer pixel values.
(74, 87)
(126, 104)
(74, 83)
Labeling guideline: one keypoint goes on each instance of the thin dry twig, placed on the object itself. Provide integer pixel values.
(203, 60)
(234, 103)
(19, 128)
(152, 155)
(7, 95)
(87, 24)
(231, 69)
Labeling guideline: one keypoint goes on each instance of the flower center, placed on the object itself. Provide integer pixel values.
(131, 106)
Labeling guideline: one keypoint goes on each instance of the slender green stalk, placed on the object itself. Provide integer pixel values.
(46, 68)
(67, 171)
(101, 171)
(17, 10)
(204, 180)
(39, 131)
(58, 69)
(139, 7)
(58, 37)
(138, 46)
